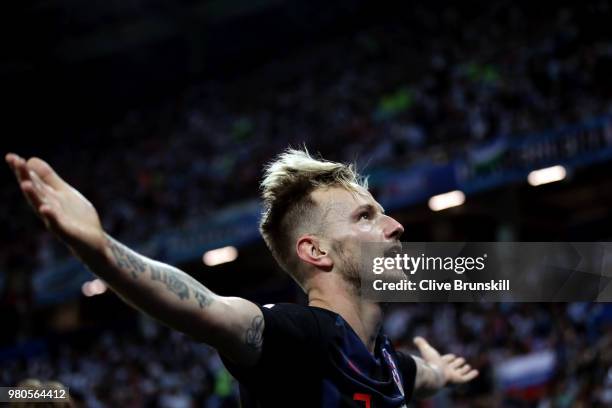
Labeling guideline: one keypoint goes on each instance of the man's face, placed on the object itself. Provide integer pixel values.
(351, 219)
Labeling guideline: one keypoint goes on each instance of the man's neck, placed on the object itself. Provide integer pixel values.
(364, 317)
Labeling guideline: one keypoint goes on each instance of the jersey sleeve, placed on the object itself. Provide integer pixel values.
(408, 369)
(291, 338)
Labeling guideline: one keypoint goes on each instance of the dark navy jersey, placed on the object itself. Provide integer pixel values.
(312, 358)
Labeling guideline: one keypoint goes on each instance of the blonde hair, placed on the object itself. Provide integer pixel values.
(288, 206)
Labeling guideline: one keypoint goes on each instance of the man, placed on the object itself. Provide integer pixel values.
(327, 354)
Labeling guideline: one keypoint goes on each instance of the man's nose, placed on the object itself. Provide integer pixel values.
(393, 229)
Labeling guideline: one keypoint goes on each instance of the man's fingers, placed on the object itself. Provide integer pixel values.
(43, 177)
(465, 369)
(41, 187)
(424, 346)
(21, 171)
(10, 159)
(36, 182)
(470, 376)
(45, 172)
(29, 191)
(18, 165)
(46, 208)
(460, 378)
(427, 351)
(457, 363)
(447, 358)
(49, 216)
(421, 342)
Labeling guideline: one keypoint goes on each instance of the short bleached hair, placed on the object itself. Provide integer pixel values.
(289, 209)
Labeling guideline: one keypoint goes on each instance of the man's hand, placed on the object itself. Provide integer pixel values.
(61, 207)
(435, 371)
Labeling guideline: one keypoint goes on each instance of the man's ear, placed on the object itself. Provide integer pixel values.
(310, 250)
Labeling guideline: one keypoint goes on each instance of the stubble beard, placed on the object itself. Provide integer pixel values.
(349, 269)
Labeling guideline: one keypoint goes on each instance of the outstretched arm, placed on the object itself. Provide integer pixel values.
(232, 325)
(435, 371)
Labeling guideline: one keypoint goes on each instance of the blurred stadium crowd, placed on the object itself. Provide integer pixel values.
(499, 74)
(384, 97)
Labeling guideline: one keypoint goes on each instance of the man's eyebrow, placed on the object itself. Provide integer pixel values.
(369, 207)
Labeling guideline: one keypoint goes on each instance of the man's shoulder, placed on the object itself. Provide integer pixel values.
(296, 310)
(313, 321)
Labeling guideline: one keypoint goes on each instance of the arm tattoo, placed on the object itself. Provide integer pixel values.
(177, 283)
(173, 282)
(254, 334)
(127, 260)
(181, 285)
(203, 297)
